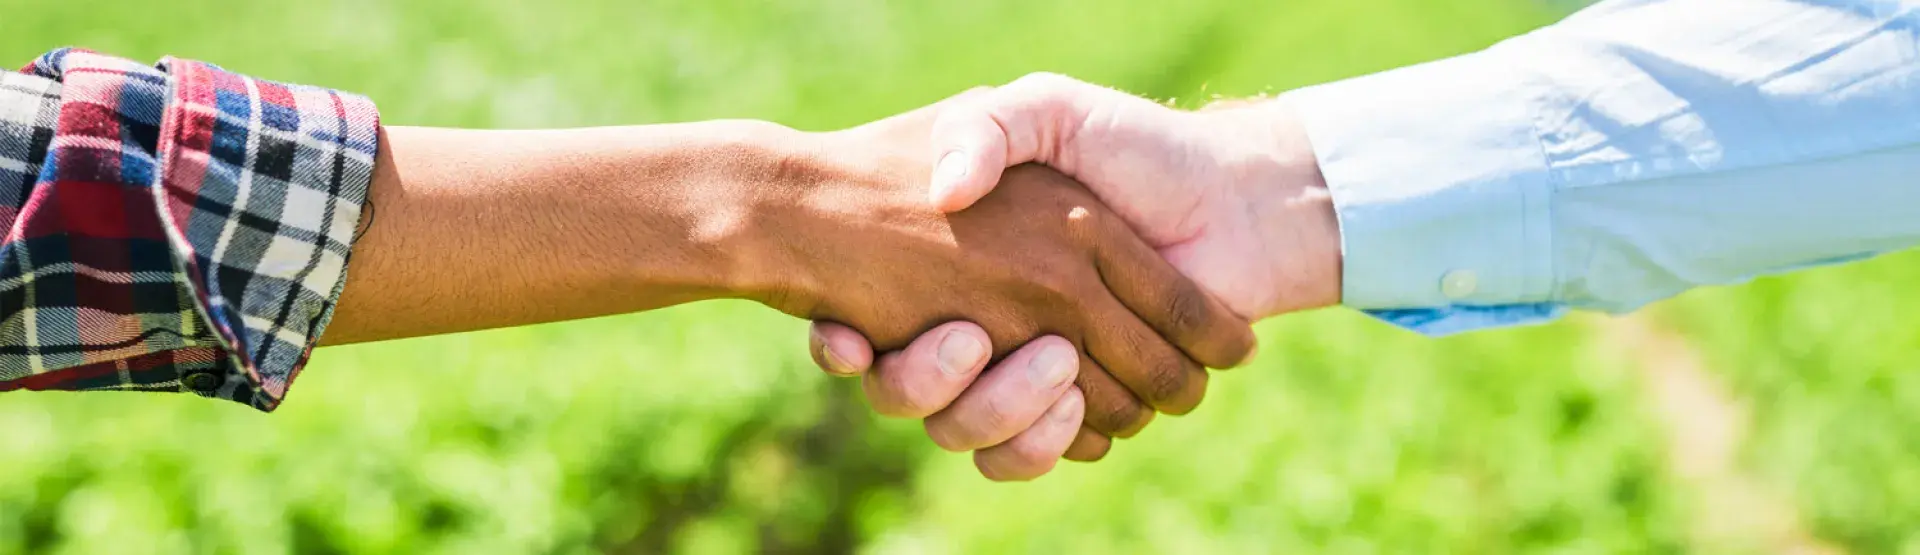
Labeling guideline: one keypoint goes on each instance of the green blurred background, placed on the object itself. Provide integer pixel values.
(1777, 417)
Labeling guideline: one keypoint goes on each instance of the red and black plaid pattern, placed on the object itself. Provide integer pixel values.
(174, 227)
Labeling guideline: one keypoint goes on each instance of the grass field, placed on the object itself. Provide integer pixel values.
(1776, 417)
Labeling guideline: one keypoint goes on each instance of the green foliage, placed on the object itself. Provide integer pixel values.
(704, 429)
(1826, 358)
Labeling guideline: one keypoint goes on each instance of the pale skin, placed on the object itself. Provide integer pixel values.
(483, 229)
(1231, 196)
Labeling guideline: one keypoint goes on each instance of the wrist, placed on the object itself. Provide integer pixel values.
(815, 202)
(731, 211)
(1291, 210)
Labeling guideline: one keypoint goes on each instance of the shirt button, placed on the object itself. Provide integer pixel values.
(1459, 284)
(204, 382)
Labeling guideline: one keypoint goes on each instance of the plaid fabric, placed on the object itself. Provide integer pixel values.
(174, 227)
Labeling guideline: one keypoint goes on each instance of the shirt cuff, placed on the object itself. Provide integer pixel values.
(1441, 190)
(216, 211)
(262, 189)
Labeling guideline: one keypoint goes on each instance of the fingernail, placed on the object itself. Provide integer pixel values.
(1052, 367)
(952, 168)
(835, 365)
(960, 353)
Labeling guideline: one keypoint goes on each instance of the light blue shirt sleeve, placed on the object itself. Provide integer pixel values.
(1626, 154)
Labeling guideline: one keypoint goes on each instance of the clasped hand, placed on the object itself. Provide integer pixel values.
(1123, 248)
(1088, 270)
(1040, 258)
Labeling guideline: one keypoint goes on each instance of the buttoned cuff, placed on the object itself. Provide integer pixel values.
(1441, 190)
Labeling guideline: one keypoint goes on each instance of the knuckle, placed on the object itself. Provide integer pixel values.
(995, 418)
(962, 429)
(1033, 455)
(1129, 349)
(1046, 93)
(1192, 391)
(1185, 311)
(1042, 82)
(896, 397)
(1167, 384)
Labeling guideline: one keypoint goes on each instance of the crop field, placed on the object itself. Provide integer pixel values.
(1781, 416)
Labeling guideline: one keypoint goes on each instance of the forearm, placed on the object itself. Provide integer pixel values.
(483, 229)
(1623, 156)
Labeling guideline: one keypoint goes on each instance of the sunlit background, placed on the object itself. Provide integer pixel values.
(1776, 417)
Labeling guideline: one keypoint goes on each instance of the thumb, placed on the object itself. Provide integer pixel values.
(970, 150)
(839, 350)
(975, 139)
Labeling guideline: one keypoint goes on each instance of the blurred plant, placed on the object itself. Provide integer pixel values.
(705, 429)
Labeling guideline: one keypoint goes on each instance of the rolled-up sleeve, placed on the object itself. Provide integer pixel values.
(1629, 153)
(172, 227)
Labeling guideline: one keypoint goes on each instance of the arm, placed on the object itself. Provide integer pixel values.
(1634, 151)
(190, 230)
(1626, 154)
(1623, 156)
(484, 229)
(183, 228)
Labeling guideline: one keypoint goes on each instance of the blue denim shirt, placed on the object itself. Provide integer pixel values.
(1635, 150)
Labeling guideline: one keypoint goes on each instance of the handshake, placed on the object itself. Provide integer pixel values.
(1033, 269)
(1124, 252)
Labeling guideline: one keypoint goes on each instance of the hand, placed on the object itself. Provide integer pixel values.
(862, 247)
(1232, 197)
(948, 390)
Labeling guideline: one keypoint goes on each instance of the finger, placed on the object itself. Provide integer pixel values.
(1112, 409)
(1035, 451)
(839, 350)
(1157, 372)
(1009, 398)
(1088, 446)
(930, 373)
(1172, 305)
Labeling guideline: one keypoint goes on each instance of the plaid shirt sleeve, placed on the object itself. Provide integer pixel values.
(174, 227)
